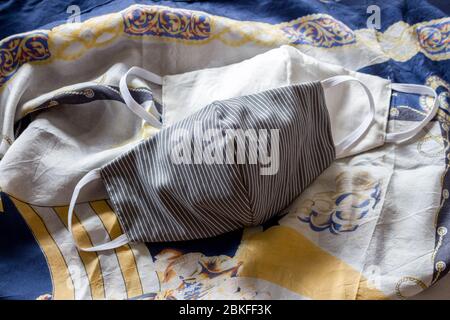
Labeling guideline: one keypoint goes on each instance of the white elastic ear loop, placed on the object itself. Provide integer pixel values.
(345, 144)
(117, 242)
(403, 136)
(131, 103)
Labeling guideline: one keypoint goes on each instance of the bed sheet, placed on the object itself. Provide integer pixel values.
(392, 241)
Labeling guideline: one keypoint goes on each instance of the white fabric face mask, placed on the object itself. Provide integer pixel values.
(184, 94)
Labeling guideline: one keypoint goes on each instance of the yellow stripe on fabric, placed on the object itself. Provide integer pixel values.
(1, 204)
(127, 260)
(283, 256)
(90, 259)
(63, 289)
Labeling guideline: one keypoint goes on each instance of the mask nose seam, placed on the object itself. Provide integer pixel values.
(224, 126)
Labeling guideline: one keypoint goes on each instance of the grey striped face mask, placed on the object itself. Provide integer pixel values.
(171, 188)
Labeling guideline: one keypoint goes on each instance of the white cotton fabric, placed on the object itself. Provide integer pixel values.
(64, 142)
(184, 94)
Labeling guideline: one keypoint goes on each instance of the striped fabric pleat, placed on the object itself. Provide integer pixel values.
(159, 200)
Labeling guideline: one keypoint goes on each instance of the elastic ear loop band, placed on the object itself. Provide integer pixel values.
(129, 100)
(117, 242)
(403, 136)
(354, 137)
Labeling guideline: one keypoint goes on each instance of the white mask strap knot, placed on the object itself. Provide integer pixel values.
(345, 144)
(403, 136)
(117, 242)
(129, 100)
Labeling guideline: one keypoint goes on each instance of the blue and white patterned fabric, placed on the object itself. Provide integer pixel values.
(349, 235)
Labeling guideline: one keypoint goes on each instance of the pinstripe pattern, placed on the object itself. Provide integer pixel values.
(158, 200)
